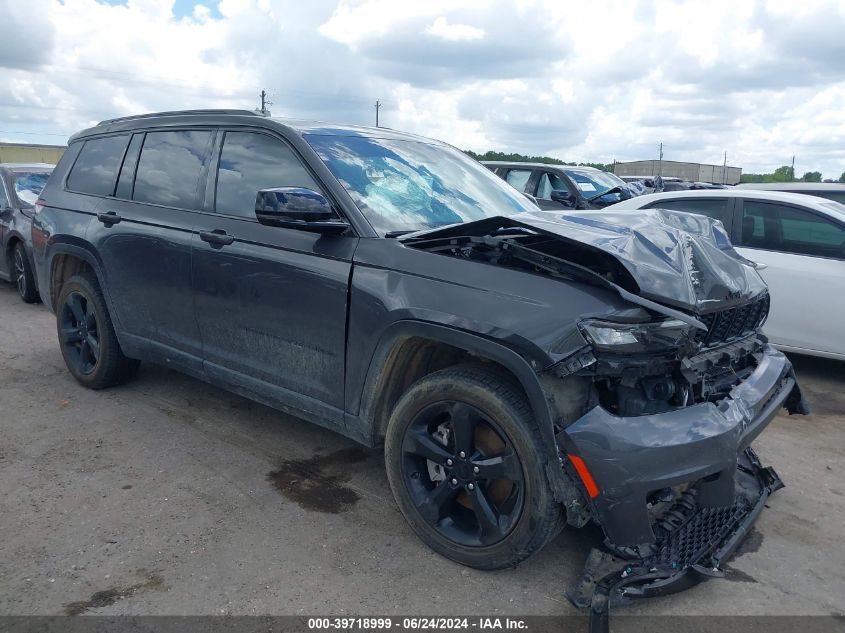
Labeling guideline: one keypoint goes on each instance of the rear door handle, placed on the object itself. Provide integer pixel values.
(109, 218)
(217, 237)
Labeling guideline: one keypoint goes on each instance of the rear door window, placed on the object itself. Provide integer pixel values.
(170, 168)
(787, 229)
(716, 208)
(250, 162)
(518, 179)
(95, 169)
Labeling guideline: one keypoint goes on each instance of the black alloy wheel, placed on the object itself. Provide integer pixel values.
(86, 335)
(462, 474)
(80, 333)
(466, 464)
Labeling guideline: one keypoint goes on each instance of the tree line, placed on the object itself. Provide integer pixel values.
(522, 158)
(786, 173)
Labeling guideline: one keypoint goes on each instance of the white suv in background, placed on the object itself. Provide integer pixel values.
(801, 241)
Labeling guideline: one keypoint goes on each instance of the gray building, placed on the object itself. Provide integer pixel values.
(694, 172)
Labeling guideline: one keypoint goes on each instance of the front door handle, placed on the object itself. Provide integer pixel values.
(217, 237)
(109, 218)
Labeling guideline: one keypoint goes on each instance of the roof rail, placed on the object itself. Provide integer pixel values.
(175, 113)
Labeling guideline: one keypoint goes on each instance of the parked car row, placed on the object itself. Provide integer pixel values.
(525, 369)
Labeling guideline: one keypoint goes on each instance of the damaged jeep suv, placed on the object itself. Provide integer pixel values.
(524, 369)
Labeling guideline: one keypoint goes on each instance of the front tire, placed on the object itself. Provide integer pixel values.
(464, 460)
(23, 277)
(86, 335)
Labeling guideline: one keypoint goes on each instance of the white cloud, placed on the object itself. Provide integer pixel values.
(602, 79)
(454, 32)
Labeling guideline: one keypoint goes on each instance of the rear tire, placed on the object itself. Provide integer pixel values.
(23, 275)
(464, 460)
(86, 335)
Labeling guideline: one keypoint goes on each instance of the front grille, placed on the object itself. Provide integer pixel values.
(734, 323)
(689, 532)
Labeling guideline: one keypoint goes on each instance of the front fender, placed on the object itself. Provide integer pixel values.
(493, 350)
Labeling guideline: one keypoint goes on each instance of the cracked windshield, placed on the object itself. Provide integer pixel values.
(408, 185)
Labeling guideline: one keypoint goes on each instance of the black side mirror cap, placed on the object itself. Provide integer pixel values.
(297, 208)
(563, 197)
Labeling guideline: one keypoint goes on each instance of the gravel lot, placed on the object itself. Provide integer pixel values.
(167, 496)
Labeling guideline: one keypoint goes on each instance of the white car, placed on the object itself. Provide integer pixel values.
(801, 241)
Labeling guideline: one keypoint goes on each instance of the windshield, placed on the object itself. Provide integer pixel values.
(403, 185)
(28, 185)
(593, 183)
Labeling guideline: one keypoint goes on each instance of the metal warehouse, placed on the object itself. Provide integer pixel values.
(694, 172)
(30, 153)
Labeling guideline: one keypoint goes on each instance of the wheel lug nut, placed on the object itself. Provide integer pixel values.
(463, 454)
(454, 482)
(475, 469)
(471, 486)
(448, 462)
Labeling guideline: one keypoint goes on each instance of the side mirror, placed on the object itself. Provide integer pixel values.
(563, 197)
(297, 208)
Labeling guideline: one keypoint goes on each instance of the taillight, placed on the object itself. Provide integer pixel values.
(39, 204)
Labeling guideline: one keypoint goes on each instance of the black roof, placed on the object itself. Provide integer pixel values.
(243, 117)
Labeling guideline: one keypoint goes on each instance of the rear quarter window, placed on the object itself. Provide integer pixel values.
(95, 169)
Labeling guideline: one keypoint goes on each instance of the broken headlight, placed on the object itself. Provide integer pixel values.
(635, 337)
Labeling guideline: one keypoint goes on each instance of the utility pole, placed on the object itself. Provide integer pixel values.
(378, 106)
(660, 163)
(264, 103)
(792, 169)
(725, 170)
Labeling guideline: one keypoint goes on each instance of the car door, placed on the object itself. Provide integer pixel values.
(804, 254)
(143, 235)
(271, 302)
(549, 181)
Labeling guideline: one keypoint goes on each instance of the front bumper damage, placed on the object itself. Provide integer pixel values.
(691, 543)
(703, 449)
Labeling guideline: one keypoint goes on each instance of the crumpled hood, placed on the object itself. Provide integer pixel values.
(678, 259)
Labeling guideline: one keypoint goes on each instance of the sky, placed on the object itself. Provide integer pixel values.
(592, 80)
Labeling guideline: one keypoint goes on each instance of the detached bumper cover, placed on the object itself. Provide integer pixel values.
(630, 457)
(692, 542)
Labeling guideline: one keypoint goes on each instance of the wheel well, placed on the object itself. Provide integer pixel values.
(64, 267)
(413, 358)
(11, 246)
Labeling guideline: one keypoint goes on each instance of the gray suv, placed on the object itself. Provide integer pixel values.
(524, 369)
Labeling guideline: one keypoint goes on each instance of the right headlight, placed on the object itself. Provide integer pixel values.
(635, 337)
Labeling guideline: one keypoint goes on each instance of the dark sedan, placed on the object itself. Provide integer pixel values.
(20, 186)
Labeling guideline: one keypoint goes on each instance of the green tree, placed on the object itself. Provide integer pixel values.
(812, 176)
(842, 177)
(522, 158)
(783, 174)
